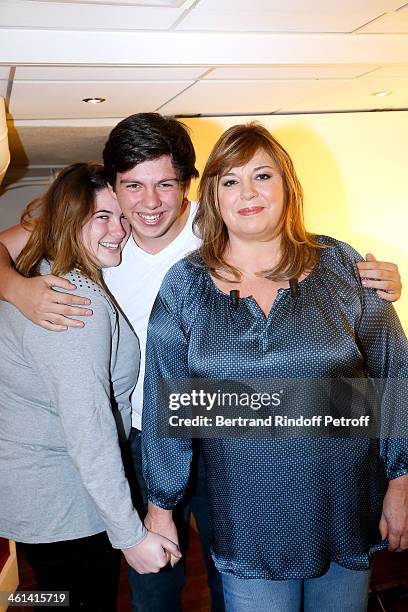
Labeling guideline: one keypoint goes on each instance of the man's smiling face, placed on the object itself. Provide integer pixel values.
(153, 200)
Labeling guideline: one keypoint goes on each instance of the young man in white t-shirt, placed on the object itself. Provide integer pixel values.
(150, 161)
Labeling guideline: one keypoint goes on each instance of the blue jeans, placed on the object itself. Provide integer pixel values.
(339, 590)
(162, 592)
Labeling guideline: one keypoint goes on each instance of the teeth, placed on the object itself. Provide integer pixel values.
(149, 217)
(109, 245)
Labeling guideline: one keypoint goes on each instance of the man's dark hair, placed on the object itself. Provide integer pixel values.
(147, 136)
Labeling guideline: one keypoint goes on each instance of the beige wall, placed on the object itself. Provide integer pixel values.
(354, 169)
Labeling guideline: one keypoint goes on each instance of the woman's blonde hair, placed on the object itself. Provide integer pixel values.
(56, 219)
(235, 148)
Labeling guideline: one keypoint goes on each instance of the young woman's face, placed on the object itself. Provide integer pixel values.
(106, 232)
(251, 198)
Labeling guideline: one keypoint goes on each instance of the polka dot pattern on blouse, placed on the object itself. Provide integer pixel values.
(281, 508)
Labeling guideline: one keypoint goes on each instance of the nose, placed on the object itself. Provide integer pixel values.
(151, 198)
(117, 229)
(248, 190)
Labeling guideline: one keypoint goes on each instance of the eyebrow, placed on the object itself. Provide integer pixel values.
(254, 170)
(103, 211)
(163, 180)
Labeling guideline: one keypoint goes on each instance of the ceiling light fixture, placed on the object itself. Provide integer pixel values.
(94, 100)
(381, 94)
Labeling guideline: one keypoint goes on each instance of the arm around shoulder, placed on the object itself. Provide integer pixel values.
(34, 297)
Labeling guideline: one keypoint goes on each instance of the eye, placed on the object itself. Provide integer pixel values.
(104, 217)
(133, 186)
(229, 182)
(168, 185)
(264, 176)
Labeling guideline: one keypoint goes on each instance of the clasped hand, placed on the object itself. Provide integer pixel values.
(394, 518)
(152, 553)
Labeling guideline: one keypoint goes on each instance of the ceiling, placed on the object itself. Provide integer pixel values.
(189, 57)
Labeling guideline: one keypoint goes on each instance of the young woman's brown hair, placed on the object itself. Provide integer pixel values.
(56, 219)
(233, 149)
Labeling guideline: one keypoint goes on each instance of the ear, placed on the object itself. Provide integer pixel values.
(186, 189)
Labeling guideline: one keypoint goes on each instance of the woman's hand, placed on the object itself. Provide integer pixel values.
(151, 554)
(382, 276)
(38, 302)
(394, 518)
(160, 521)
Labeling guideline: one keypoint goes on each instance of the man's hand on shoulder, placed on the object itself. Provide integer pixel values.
(34, 297)
(382, 276)
(40, 303)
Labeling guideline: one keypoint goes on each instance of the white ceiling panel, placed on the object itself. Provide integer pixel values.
(68, 16)
(296, 6)
(356, 95)
(290, 72)
(166, 3)
(55, 100)
(3, 88)
(391, 71)
(224, 97)
(290, 16)
(107, 73)
(392, 23)
(202, 20)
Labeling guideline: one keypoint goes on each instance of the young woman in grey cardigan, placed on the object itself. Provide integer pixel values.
(63, 398)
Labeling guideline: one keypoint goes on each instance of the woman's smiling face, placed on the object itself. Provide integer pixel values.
(251, 198)
(106, 232)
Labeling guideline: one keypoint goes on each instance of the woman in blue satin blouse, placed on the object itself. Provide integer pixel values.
(294, 519)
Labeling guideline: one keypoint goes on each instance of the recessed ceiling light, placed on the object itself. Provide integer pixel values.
(381, 94)
(94, 100)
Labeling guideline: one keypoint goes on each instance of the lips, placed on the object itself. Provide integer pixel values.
(250, 210)
(111, 246)
(149, 218)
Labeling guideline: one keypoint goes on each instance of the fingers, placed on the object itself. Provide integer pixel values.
(397, 537)
(59, 314)
(55, 322)
(174, 560)
(394, 538)
(57, 281)
(380, 273)
(161, 558)
(383, 527)
(387, 290)
(383, 285)
(371, 263)
(171, 547)
(392, 296)
(378, 265)
(52, 327)
(382, 276)
(403, 543)
(69, 299)
(59, 323)
(72, 311)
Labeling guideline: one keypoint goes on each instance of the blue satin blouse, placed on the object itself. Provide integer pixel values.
(281, 508)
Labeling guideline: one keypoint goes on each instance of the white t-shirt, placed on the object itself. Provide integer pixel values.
(135, 284)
